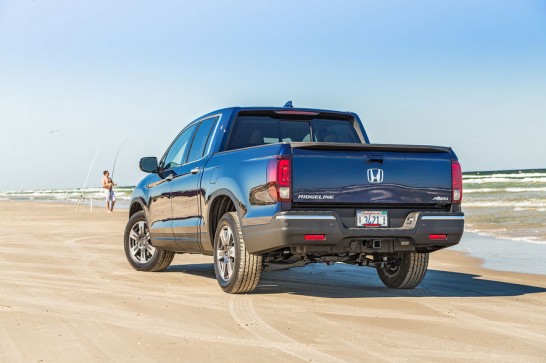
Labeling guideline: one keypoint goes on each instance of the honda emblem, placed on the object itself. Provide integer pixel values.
(375, 175)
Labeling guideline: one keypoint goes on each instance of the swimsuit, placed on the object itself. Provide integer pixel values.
(109, 195)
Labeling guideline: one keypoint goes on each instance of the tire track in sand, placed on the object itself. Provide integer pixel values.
(241, 308)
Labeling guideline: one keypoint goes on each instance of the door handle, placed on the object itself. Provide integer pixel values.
(195, 170)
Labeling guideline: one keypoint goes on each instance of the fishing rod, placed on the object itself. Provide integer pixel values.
(86, 179)
(116, 158)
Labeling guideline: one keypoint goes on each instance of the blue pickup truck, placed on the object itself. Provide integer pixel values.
(263, 189)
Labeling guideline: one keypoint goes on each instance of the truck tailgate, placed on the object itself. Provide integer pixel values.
(370, 174)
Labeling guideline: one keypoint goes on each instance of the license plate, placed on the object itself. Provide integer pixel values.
(377, 218)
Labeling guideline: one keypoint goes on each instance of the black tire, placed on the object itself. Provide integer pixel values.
(138, 249)
(408, 274)
(237, 271)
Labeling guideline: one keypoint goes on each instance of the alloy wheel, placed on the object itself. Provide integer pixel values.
(225, 253)
(141, 251)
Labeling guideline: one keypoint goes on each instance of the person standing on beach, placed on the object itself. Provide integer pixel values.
(108, 186)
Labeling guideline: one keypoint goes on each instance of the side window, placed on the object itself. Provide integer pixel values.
(200, 140)
(179, 149)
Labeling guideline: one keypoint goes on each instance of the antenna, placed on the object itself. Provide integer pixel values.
(288, 104)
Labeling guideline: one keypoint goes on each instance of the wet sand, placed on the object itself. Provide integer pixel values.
(68, 294)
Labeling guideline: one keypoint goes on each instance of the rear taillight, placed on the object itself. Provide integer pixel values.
(456, 182)
(279, 175)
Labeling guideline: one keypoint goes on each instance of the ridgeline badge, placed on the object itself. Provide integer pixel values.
(316, 197)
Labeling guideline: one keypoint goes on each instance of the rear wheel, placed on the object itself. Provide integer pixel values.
(408, 274)
(237, 271)
(139, 251)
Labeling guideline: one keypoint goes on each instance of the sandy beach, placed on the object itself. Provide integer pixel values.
(68, 294)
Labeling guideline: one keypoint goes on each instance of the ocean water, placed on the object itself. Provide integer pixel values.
(123, 195)
(508, 205)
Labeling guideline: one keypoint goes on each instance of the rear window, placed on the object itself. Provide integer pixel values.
(259, 130)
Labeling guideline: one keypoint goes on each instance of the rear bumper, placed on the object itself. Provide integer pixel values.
(288, 230)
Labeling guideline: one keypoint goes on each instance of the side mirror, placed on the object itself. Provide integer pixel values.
(149, 164)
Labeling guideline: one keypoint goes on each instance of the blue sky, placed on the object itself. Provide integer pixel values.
(466, 74)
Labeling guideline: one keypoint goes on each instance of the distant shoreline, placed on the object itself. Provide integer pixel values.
(508, 171)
